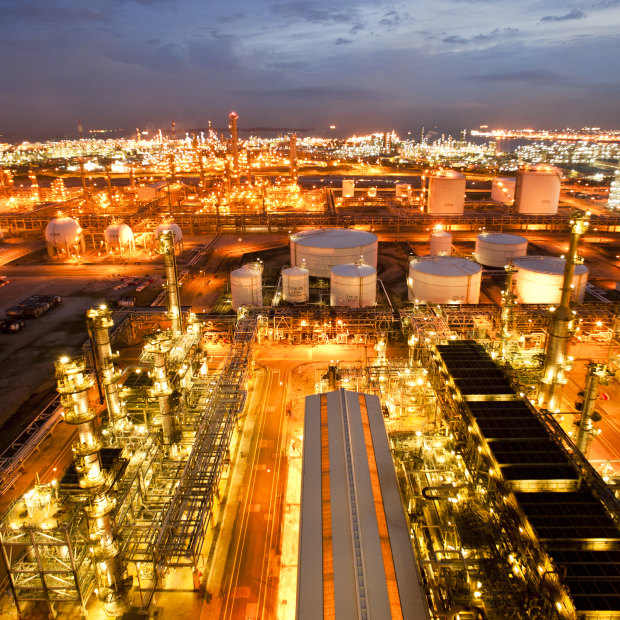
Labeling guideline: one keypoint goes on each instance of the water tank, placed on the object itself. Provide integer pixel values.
(539, 280)
(325, 247)
(403, 191)
(348, 188)
(62, 232)
(498, 249)
(295, 284)
(441, 243)
(503, 190)
(444, 280)
(246, 286)
(353, 285)
(175, 228)
(119, 236)
(537, 190)
(446, 193)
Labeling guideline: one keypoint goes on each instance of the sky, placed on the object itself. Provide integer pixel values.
(363, 66)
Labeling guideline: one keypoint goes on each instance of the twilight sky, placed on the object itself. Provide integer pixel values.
(362, 65)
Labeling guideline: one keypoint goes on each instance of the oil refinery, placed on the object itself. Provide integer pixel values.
(300, 378)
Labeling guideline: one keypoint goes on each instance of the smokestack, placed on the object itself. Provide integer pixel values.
(293, 157)
(166, 247)
(233, 117)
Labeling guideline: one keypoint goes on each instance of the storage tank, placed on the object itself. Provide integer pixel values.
(348, 188)
(537, 190)
(353, 285)
(372, 192)
(176, 232)
(441, 243)
(323, 248)
(246, 286)
(296, 284)
(119, 237)
(498, 249)
(539, 280)
(444, 280)
(63, 234)
(503, 190)
(446, 192)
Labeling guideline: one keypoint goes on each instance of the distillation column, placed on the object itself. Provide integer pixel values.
(597, 374)
(113, 582)
(159, 346)
(233, 117)
(166, 247)
(293, 157)
(554, 377)
(98, 322)
(508, 303)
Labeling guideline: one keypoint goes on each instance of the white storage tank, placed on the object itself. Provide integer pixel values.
(296, 284)
(348, 188)
(503, 190)
(441, 243)
(119, 237)
(246, 286)
(323, 248)
(177, 233)
(353, 285)
(539, 280)
(372, 192)
(498, 249)
(537, 190)
(63, 234)
(446, 193)
(403, 191)
(444, 280)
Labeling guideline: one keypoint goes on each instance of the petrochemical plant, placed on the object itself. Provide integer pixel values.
(309, 383)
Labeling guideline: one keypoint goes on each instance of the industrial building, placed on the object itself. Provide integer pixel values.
(355, 559)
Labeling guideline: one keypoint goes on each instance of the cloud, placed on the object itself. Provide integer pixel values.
(574, 14)
(392, 18)
(494, 35)
(536, 76)
(313, 13)
(606, 4)
(342, 41)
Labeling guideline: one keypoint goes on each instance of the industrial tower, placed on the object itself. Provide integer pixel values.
(554, 376)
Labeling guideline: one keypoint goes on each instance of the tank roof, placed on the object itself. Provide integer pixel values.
(447, 174)
(353, 270)
(251, 269)
(502, 238)
(445, 266)
(553, 265)
(295, 271)
(334, 238)
(541, 169)
(441, 233)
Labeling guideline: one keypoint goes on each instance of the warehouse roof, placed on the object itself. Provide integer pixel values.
(355, 558)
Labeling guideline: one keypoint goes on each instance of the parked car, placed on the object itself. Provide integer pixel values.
(11, 326)
(4, 280)
(15, 312)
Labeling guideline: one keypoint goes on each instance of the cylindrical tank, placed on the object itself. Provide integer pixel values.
(295, 284)
(441, 243)
(246, 286)
(323, 248)
(63, 232)
(348, 188)
(446, 193)
(119, 236)
(498, 249)
(503, 190)
(372, 192)
(537, 190)
(175, 228)
(353, 285)
(444, 280)
(539, 280)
